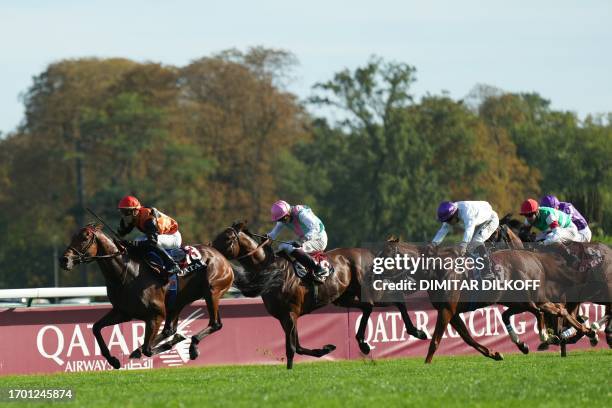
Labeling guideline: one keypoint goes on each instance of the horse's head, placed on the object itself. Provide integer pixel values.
(236, 242)
(83, 246)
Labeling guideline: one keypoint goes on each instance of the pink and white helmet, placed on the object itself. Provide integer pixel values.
(279, 210)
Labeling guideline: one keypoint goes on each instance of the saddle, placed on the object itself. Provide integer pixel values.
(321, 260)
(589, 258)
(187, 257)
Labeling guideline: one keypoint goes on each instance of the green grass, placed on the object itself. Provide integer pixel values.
(519, 381)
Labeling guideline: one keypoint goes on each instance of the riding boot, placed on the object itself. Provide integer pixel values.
(306, 260)
(169, 264)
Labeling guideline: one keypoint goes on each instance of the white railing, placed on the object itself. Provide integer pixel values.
(83, 291)
(35, 293)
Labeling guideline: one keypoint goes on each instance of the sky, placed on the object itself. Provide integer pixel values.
(560, 49)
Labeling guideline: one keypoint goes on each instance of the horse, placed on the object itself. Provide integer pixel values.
(520, 234)
(453, 302)
(506, 234)
(136, 291)
(286, 298)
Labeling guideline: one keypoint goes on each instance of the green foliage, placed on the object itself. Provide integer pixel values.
(221, 139)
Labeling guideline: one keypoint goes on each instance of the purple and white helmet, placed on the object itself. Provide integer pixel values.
(549, 201)
(446, 210)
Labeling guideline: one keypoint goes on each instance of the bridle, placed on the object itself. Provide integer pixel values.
(83, 257)
(236, 240)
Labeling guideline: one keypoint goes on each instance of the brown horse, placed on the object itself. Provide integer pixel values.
(517, 235)
(284, 295)
(136, 292)
(506, 235)
(451, 303)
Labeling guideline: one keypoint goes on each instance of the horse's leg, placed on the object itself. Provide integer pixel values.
(151, 330)
(328, 348)
(214, 321)
(458, 324)
(444, 316)
(366, 311)
(560, 311)
(608, 330)
(410, 329)
(113, 317)
(545, 323)
(563, 344)
(513, 335)
(165, 334)
(288, 323)
(137, 353)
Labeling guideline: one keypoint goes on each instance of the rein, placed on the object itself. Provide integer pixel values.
(82, 256)
(257, 248)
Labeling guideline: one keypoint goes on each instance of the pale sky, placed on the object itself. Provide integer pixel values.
(560, 49)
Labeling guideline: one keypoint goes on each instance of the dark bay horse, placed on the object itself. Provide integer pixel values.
(136, 292)
(284, 295)
(454, 302)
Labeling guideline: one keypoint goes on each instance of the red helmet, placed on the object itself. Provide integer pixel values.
(129, 202)
(529, 206)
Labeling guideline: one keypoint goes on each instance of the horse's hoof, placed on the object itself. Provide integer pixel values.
(136, 354)
(594, 340)
(523, 347)
(364, 347)
(498, 356)
(420, 334)
(556, 340)
(114, 361)
(147, 352)
(329, 348)
(193, 352)
(168, 332)
(543, 346)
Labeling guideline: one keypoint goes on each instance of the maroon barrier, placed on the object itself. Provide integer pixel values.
(53, 339)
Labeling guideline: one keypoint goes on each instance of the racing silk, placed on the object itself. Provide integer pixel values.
(578, 219)
(549, 219)
(150, 220)
(304, 223)
(471, 214)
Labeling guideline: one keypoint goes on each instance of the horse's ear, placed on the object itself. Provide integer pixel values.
(240, 225)
(392, 238)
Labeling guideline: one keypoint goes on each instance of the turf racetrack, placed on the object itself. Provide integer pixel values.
(539, 379)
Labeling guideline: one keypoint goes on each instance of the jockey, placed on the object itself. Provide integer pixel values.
(579, 221)
(556, 226)
(307, 226)
(161, 232)
(478, 218)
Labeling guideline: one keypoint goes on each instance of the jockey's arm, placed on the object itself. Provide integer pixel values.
(470, 227)
(276, 230)
(151, 231)
(552, 222)
(124, 229)
(439, 237)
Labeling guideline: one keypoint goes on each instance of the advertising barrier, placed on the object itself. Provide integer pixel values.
(60, 339)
